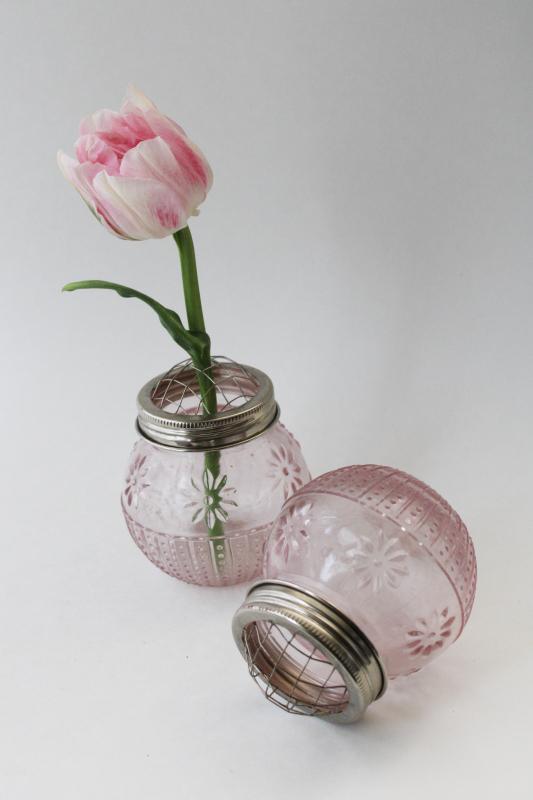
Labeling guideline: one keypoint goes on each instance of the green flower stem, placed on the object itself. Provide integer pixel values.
(201, 360)
(189, 273)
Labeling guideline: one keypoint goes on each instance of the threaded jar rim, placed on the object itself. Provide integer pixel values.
(244, 417)
(340, 644)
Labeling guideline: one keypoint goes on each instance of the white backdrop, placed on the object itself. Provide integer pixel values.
(371, 212)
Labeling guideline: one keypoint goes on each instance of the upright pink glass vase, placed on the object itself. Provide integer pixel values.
(368, 574)
(202, 491)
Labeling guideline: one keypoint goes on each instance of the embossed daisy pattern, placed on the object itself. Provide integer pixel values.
(378, 562)
(136, 481)
(211, 500)
(430, 634)
(292, 534)
(284, 470)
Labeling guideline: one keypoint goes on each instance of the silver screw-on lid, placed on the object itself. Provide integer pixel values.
(171, 411)
(307, 656)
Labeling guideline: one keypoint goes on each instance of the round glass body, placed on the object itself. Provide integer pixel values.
(167, 504)
(387, 551)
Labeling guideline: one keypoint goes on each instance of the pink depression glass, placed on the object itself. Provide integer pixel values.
(164, 498)
(384, 550)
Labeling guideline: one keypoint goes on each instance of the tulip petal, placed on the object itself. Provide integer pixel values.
(91, 147)
(112, 129)
(68, 167)
(81, 176)
(137, 123)
(188, 155)
(153, 159)
(135, 100)
(141, 208)
(103, 120)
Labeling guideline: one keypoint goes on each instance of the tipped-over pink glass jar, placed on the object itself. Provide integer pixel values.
(202, 490)
(368, 574)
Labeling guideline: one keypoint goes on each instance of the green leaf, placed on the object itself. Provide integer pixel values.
(193, 343)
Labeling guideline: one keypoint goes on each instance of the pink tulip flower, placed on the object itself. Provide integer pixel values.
(137, 170)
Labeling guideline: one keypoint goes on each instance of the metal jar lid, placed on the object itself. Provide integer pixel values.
(171, 414)
(307, 656)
